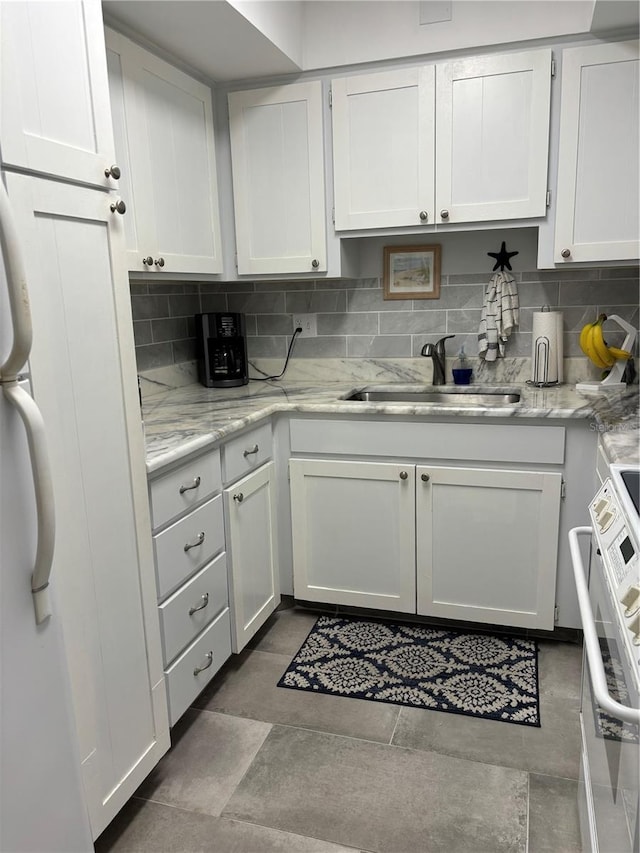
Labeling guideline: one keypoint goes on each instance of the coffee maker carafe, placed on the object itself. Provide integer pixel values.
(221, 350)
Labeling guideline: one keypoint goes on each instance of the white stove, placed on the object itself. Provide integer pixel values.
(610, 702)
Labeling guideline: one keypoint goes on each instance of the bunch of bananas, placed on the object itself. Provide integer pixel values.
(593, 345)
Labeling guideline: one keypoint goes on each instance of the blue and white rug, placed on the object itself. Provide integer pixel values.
(480, 675)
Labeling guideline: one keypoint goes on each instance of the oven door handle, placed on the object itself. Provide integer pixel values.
(591, 644)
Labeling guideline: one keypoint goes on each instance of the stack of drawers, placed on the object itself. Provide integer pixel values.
(191, 574)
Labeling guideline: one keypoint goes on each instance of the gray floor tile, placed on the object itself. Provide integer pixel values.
(209, 755)
(247, 687)
(381, 798)
(146, 827)
(285, 631)
(553, 815)
(552, 749)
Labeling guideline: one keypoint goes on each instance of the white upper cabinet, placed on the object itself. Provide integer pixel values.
(491, 119)
(163, 125)
(54, 109)
(383, 148)
(492, 137)
(278, 179)
(597, 210)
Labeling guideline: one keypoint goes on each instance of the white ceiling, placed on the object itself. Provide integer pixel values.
(229, 40)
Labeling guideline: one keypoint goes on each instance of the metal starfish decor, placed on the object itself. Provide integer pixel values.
(502, 258)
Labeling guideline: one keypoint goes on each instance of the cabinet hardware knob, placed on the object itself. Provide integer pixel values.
(195, 544)
(200, 669)
(118, 206)
(425, 478)
(424, 216)
(201, 606)
(113, 172)
(444, 214)
(147, 261)
(403, 475)
(253, 450)
(159, 262)
(194, 485)
(566, 253)
(315, 263)
(239, 497)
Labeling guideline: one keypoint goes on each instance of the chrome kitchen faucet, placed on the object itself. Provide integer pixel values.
(437, 354)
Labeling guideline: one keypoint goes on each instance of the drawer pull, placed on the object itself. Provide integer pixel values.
(205, 601)
(195, 544)
(200, 669)
(253, 450)
(194, 485)
(239, 497)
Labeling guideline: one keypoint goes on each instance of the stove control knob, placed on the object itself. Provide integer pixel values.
(631, 600)
(634, 627)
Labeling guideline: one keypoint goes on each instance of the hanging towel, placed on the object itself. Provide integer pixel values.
(499, 316)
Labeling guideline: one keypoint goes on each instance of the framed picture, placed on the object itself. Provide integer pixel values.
(411, 272)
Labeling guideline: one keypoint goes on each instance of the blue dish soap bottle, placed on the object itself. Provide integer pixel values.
(462, 372)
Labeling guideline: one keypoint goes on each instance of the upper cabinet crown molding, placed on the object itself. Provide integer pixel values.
(598, 178)
(54, 112)
(163, 124)
(489, 158)
(277, 154)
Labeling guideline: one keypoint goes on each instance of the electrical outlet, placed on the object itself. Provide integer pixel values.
(308, 323)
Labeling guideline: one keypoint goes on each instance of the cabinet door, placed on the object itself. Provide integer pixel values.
(492, 137)
(354, 533)
(103, 565)
(383, 148)
(254, 587)
(492, 558)
(164, 135)
(54, 95)
(278, 179)
(597, 212)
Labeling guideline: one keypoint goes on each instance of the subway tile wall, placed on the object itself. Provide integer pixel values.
(354, 321)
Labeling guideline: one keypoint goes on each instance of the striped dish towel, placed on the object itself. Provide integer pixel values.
(499, 316)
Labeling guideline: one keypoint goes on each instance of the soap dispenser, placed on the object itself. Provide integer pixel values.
(461, 369)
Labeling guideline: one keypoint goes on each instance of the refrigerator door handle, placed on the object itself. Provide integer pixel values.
(26, 406)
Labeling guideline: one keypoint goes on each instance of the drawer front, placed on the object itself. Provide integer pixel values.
(248, 451)
(180, 490)
(486, 442)
(193, 606)
(197, 665)
(201, 533)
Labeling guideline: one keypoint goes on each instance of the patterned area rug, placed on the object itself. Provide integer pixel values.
(481, 675)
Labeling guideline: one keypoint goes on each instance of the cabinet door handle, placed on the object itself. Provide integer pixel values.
(113, 172)
(159, 262)
(403, 475)
(239, 497)
(147, 261)
(253, 450)
(424, 216)
(315, 263)
(566, 253)
(200, 669)
(194, 485)
(444, 214)
(201, 606)
(118, 206)
(425, 478)
(195, 544)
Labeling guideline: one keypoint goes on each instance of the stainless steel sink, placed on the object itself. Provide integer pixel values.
(456, 398)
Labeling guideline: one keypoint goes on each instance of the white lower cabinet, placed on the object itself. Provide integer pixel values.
(487, 545)
(191, 573)
(254, 585)
(453, 542)
(354, 533)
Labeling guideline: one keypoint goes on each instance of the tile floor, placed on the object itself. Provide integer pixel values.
(255, 768)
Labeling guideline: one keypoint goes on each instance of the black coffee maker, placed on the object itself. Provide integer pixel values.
(221, 350)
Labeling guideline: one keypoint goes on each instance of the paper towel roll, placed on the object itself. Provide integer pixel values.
(547, 348)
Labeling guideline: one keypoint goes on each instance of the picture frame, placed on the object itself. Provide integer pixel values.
(411, 272)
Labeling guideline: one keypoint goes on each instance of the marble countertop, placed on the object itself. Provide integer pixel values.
(180, 421)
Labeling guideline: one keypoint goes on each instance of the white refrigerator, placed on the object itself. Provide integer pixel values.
(42, 805)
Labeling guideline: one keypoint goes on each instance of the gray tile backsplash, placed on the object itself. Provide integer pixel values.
(354, 321)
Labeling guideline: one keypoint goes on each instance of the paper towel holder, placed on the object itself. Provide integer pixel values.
(542, 349)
